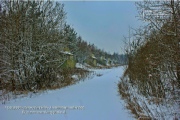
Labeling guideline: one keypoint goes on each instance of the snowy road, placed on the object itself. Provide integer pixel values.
(98, 95)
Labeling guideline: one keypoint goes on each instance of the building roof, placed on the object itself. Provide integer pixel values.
(66, 52)
(94, 57)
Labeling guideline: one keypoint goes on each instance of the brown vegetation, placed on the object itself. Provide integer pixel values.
(153, 69)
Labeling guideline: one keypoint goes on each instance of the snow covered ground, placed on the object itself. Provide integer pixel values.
(93, 99)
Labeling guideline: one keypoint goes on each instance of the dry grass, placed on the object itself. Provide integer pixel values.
(144, 118)
(67, 80)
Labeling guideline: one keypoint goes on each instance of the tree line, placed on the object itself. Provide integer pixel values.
(153, 52)
(33, 35)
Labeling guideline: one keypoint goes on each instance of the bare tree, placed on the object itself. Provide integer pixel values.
(31, 32)
(154, 55)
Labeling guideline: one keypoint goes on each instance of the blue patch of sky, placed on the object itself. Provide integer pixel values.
(103, 23)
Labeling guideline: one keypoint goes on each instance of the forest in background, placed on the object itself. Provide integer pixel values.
(34, 38)
(150, 85)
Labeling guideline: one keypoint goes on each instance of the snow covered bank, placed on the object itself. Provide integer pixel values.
(93, 99)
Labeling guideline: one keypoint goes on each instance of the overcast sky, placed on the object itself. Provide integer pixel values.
(103, 23)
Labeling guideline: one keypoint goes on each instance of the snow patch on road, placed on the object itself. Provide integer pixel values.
(93, 99)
